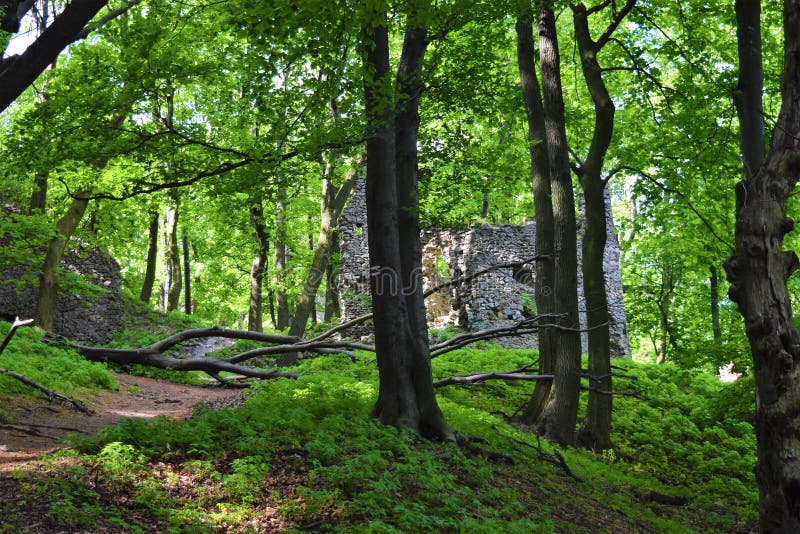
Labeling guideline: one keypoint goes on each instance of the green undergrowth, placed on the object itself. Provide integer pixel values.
(305, 454)
(52, 366)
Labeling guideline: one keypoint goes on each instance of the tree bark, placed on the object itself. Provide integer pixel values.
(281, 300)
(152, 259)
(39, 196)
(333, 306)
(713, 281)
(187, 276)
(331, 206)
(595, 432)
(543, 202)
(258, 269)
(48, 280)
(406, 397)
(759, 267)
(172, 280)
(18, 72)
(561, 411)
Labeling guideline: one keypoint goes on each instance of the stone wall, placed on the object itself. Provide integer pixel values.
(87, 318)
(497, 298)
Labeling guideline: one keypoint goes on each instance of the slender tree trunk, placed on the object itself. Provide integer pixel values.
(408, 90)
(561, 412)
(258, 269)
(39, 196)
(331, 205)
(173, 264)
(187, 276)
(406, 397)
(44, 315)
(281, 300)
(333, 306)
(543, 202)
(666, 337)
(595, 432)
(759, 268)
(152, 259)
(714, 284)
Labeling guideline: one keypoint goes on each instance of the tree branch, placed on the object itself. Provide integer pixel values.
(18, 72)
(482, 377)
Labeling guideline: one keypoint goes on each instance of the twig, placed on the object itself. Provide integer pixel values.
(481, 377)
(48, 392)
(493, 456)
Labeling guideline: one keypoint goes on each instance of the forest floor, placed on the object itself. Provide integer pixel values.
(38, 426)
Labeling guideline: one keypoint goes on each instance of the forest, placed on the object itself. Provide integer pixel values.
(186, 345)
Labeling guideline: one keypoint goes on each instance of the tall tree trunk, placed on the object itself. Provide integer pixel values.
(543, 203)
(561, 412)
(281, 300)
(333, 306)
(713, 282)
(406, 397)
(172, 280)
(595, 432)
(39, 196)
(152, 259)
(187, 276)
(44, 315)
(759, 267)
(258, 269)
(331, 205)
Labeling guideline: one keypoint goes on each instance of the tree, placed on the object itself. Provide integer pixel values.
(331, 206)
(595, 433)
(406, 397)
(48, 279)
(540, 182)
(18, 72)
(152, 258)
(561, 411)
(258, 267)
(759, 267)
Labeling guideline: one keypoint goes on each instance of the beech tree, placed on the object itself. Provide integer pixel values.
(759, 268)
(406, 396)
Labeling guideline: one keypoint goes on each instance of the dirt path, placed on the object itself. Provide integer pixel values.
(38, 426)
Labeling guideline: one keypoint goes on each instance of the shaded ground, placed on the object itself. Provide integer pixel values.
(38, 426)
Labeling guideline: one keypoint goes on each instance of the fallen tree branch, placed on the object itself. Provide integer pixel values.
(468, 278)
(460, 280)
(16, 324)
(145, 356)
(27, 381)
(528, 325)
(556, 458)
(482, 377)
(48, 392)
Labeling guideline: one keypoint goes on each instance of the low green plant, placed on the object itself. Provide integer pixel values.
(361, 476)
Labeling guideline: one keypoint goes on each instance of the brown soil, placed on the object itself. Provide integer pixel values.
(38, 426)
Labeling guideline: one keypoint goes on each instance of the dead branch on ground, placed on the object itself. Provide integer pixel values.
(50, 394)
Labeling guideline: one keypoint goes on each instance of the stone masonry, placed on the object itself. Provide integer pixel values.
(498, 298)
(83, 318)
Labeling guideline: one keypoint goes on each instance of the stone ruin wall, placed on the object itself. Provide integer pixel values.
(491, 300)
(86, 319)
